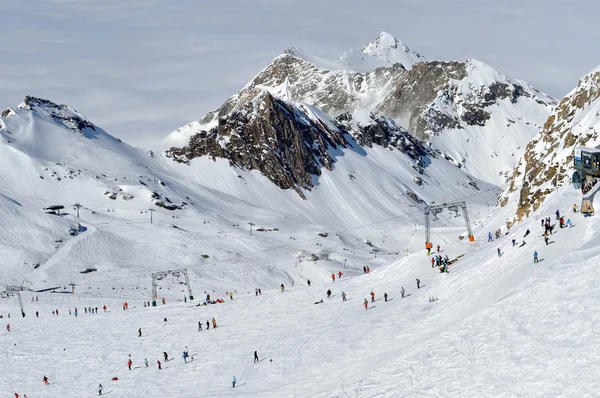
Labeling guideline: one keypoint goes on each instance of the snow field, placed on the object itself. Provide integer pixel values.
(502, 327)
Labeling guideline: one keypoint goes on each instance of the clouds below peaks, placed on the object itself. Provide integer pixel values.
(142, 68)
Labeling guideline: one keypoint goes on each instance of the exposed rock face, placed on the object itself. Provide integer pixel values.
(61, 114)
(548, 160)
(383, 131)
(271, 136)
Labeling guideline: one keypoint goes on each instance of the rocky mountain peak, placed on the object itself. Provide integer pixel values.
(469, 111)
(392, 51)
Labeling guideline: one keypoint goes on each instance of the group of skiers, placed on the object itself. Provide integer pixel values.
(440, 262)
(214, 323)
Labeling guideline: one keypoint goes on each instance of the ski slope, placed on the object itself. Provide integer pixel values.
(502, 326)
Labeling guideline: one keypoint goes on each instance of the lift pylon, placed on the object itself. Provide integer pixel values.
(436, 209)
(156, 276)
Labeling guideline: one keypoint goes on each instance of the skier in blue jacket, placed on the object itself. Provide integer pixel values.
(234, 381)
(535, 256)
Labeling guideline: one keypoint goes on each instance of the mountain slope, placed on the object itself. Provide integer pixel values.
(547, 163)
(467, 110)
(201, 208)
(496, 328)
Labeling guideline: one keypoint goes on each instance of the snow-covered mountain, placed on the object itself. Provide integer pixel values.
(279, 192)
(52, 155)
(547, 163)
(468, 111)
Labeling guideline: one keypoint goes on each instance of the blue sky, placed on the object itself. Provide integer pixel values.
(141, 69)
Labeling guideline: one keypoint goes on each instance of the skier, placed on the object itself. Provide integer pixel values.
(104, 308)
(199, 326)
(340, 275)
(402, 291)
(546, 239)
(527, 233)
(140, 332)
(489, 237)
(499, 252)
(207, 325)
(438, 248)
(37, 314)
(385, 296)
(231, 295)
(514, 242)
(328, 293)
(185, 355)
(185, 299)
(535, 257)
(8, 327)
(575, 208)
(432, 262)
(418, 283)
(557, 214)
(255, 356)
(56, 312)
(45, 379)
(214, 322)
(569, 222)
(333, 276)
(364, 269)
(259, 292)
(166, 356)
(308, 282)
(372, 296)
(159, 365)
(368, 270)
(234, 381)
(164, 321)
(146, 361)
(366, 304)
(282, 288)
(343, 296)
(256, 292)
(100, 388)
(129, 363)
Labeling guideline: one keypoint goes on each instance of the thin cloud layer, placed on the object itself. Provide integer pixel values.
(141, 68)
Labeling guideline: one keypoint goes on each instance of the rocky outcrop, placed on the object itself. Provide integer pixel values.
(380, 130)
(272, 136)
(548, 160)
